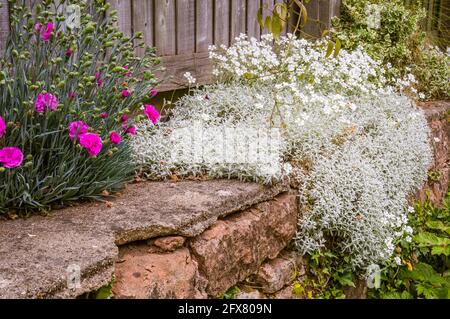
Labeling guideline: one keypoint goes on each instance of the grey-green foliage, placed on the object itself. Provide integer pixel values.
(356, 154)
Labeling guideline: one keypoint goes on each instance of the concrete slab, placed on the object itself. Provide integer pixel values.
(35, 253)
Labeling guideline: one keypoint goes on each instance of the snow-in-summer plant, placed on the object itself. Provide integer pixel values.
(354, 146)
(66, 99)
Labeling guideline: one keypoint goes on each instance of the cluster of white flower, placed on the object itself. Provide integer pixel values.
(356, 148)
(189, 78)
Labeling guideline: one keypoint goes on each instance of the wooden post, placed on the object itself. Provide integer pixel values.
(4, 24)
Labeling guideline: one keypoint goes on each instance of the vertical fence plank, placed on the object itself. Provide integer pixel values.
(123, 8)
(237, 18)
(143, 21)
(267, 7)
(222, 22)
(311, 29)
(253, 27)
(204, 25)
(165, 37)
(185, 26)
(4, 24)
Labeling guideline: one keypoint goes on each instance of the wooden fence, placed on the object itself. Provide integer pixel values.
(182, 30)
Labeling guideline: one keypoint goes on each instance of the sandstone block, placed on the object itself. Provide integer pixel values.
(235, 247)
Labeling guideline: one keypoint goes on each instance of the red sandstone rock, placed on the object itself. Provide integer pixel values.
(169, 243)
(438, 117)
(286, 293)
(234, 248)
(279, 272)
(157, 275)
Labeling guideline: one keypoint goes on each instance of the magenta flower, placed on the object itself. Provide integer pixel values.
(153, 93)
(71, 95)
(114, 137)
(124, 118)
(2, 127)
(152, 113)
(77, 128)
(92, 143)
(125, 93)
(45, 32)
(131, 130)
(11, 157)
(103, 115)
(69, 52)
(99, 79)
(45, 101)
(129, 73)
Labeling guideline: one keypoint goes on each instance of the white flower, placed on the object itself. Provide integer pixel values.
(191, 80)
(410, 209)
(408, 230)
(398, 260)
(408, 239)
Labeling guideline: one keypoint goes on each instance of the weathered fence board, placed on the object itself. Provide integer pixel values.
(182, 30)
(204, 25)
(4, 23)
(165, 24)
(222, 22)
(143, 21)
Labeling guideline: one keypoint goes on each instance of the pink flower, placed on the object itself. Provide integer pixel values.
(2, 127)
(45, 101)
(71, 95)
(91, 142)
(11, 157)
(45, 32)
(99, 79)
(152, 114)
(103, 115)
(77, 128)
(129, 73)
(114, 137)
(124, 118)
(69, 52)
(153, 93)
(125, 93)
(131, 130)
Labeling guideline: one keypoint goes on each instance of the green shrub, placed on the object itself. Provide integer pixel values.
(399, 42)
(421, 268)
(52, 76)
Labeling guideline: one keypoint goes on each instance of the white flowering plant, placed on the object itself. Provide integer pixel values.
(354, 147)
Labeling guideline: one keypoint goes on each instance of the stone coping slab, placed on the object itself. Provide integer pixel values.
(35, 253)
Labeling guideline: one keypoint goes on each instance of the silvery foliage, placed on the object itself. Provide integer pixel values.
(356, 147)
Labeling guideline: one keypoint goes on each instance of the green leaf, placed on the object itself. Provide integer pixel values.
(426, 239)
(330, 47)
(438, 250)
(259, 17)
(276, 26)
(346, 280)
(268, 23)
(337, 47)
(438, 225)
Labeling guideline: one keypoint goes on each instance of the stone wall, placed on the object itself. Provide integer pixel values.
(187, 239)
(248, 248)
